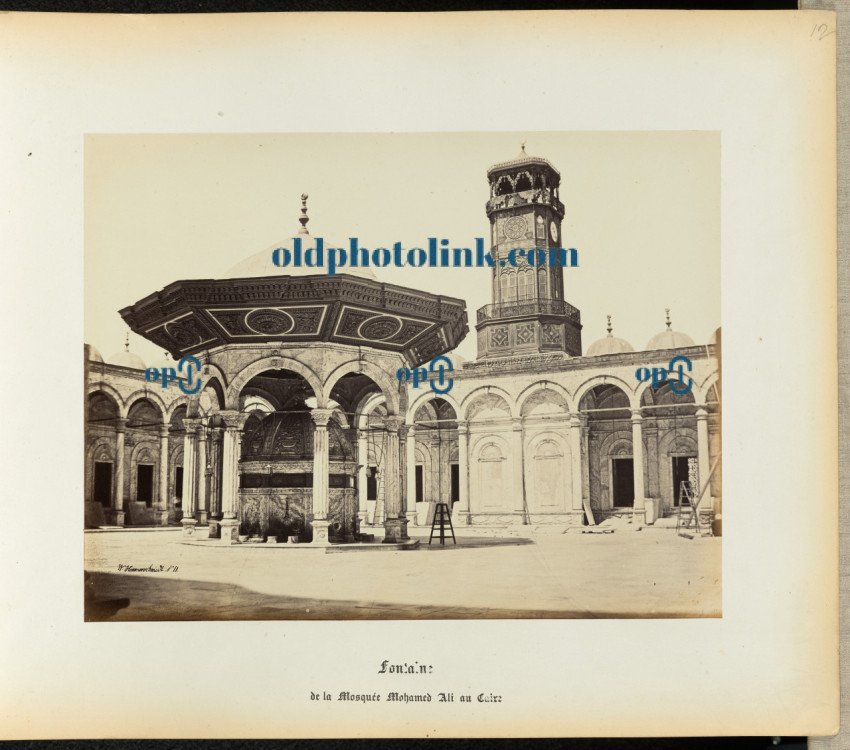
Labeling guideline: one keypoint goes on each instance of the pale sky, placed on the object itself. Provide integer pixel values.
(642, 208)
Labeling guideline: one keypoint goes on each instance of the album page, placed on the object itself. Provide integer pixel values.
(466, 374)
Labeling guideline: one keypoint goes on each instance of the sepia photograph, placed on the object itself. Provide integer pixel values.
(444, 375)
(402, 376)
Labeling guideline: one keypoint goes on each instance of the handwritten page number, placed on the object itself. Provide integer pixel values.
(820, 31)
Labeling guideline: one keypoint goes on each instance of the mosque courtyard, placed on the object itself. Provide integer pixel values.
(153, 574)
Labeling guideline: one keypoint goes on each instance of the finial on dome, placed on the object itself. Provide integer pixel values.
(609, 325)
(127, 342)
(522, 151)
(304, 218)
(667, 310)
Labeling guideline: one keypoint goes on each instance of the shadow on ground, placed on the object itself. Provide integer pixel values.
(117, 597)
(472, 541)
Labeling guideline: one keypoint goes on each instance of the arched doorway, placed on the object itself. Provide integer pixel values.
(102, 422)
(670, 434)
(610, 481)
(433, 471)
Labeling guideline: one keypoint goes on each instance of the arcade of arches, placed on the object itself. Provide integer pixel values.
(327, 453)
(302, 430)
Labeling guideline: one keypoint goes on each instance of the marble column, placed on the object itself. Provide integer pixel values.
(585, 459)
(321, 476)
(162, 509)
(395, 523)
(116, 512)
(518, 463)
(202, 511)
(410, 476)
(231, 445)
(703, 459)
(637, 461)
(362, 473)
(378, 518)
(190, 468)
(463, 470)
(402, 471)
(576, 462)
(215, 482)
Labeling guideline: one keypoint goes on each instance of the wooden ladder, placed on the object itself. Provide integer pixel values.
(688, 509)
(442, 515)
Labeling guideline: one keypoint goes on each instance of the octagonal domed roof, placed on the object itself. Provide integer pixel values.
(521, 160)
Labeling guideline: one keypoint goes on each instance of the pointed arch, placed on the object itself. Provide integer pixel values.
(387, 385)
(108, 390)
(540, 386)
(148, 395)
(485, 390)
(592, 382)
(272, 362)
(424, 398)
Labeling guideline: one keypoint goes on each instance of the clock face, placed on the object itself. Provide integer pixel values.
(553, 230)
(515, 227)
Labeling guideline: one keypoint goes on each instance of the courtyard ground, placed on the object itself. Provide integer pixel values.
(507, 573)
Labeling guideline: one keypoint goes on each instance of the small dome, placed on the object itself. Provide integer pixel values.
(127, 358)
(609, 344)
(92, 354)
(715, 338)
(260, 264)
(669, 339)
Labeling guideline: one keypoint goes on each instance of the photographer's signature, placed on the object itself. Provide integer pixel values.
(151, 568)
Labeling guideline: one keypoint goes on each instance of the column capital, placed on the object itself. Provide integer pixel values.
(581, 417)
(462, 427)
(321, 417)
(575, 420)
(701, 413)
(637, 416)
(121, 424)
(202, 432)
(393, 423)
(191, 425)
(516, 423)
(233, 420)
(163, 430)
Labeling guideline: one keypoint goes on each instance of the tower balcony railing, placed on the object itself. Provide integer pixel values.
(525, 197)
(521, 308)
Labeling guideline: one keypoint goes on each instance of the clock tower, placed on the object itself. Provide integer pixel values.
(529, 314)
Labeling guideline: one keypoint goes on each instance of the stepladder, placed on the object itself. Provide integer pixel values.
(688, 514)
(442, 519)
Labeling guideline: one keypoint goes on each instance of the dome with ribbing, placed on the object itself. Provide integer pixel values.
(609, 344)
(127, 359)
(669, 339)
